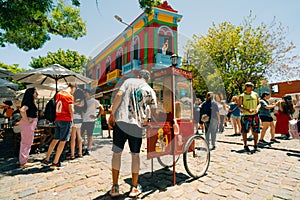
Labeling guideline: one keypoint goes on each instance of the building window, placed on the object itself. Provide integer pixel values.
(136, 53)
(119, 59)
(274, 89)
(165, 40)
(107, 65)
(98, 73)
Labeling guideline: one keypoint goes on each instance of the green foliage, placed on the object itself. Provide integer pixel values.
(70, 59)
(28, 24)
(229, 55)
(14, 69)
(147, 5)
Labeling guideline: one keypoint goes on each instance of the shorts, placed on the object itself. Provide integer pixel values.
(62, 130)
(124, 131)
(266, 118)
(77, 120)
(89, 127)
(250, 121)
(235, 117)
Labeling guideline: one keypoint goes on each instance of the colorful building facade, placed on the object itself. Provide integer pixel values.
(280, 89)
(151, 45)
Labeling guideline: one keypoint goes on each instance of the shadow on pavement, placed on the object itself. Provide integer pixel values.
(159, 180)
(293, 154)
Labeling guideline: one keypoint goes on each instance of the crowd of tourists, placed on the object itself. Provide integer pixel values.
(76, 111)
(248, 112)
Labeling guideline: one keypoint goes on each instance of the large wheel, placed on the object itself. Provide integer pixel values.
(196, 156)
(167, 160)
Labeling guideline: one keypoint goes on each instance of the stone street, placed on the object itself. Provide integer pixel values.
(273, 173)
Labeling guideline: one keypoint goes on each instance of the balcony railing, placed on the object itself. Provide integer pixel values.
(114, 76)
(128, 68)
(162, 61)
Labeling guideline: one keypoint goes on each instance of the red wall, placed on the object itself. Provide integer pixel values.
(286, 88)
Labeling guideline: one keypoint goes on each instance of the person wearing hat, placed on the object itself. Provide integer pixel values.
(128, 115)
(249, 105)
(266, 118)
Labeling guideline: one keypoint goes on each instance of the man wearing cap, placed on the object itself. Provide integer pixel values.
(128, 115)
(249, 104)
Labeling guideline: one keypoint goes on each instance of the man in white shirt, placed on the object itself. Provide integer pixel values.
(129, 114)
(89, 118)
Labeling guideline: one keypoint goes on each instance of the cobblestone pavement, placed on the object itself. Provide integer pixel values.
(273, 173)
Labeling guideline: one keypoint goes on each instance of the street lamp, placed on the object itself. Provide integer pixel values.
(190, 59)
(132, 38)
(174, 59)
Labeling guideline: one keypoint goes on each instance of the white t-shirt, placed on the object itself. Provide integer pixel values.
(92, 106)
(297, 110)
(133, 107)
(221, 108)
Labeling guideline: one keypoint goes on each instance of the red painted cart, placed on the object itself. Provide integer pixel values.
(171, 133)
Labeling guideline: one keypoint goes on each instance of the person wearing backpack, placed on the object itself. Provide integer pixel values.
(64, 102)
(211, 117)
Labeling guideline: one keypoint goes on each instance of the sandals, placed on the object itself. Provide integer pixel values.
(45, 162)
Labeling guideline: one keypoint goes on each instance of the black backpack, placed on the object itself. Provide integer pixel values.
(50, 110)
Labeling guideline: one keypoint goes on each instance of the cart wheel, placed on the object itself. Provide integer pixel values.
(196, 156)
(167, 160)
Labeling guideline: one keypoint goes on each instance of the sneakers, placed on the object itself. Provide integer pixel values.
(86, 152)
(286, 137)
(26, 165)
(256, 148)
(114, 192)
(263, 141)
(274, 141)
(212, 148)
(54, 166)
(247, 150)
(135, 191)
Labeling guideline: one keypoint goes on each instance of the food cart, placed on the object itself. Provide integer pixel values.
(172, 132)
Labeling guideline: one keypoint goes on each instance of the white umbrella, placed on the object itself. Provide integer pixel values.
(4, 73)
(53, 74)
(46, 91)
(7, 89)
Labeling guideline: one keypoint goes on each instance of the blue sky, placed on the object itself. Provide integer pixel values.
(198, 16)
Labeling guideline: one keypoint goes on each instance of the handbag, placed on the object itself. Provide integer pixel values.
(204, 118)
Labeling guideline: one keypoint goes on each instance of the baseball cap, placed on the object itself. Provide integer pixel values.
(249, 84)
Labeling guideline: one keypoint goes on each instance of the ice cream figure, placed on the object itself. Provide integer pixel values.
(162, 141)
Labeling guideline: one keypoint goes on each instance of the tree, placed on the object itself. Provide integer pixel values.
(229, 55)
(28, 24)
(14, 69)
(147, 5)
(70, 59)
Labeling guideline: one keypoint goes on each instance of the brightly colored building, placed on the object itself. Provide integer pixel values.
(154, 40)
(280, 89)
